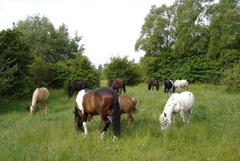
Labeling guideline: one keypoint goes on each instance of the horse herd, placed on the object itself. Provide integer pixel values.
(109, 104)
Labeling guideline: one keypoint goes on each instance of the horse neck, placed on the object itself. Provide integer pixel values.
(34, 97)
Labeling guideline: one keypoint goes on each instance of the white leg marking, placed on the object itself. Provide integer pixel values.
(102, 135)
(85, 128)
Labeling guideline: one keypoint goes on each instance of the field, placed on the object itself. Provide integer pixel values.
(213, 133)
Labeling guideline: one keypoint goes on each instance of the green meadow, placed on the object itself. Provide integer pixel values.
(212, 135)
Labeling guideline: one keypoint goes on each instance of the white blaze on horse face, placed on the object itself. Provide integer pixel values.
(79, 99)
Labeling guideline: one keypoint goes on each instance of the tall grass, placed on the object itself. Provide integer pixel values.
(213, 133)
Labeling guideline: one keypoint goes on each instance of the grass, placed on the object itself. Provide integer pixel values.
(213, 133)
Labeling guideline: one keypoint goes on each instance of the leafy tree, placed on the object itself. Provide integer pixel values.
(157, 31)
(46, 42)
(80, 68)
(122, 68)
(14, 61)
(231, 77)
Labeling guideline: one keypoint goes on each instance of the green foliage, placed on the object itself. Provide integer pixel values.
(231, 77)
(40, 72)
(204, 40)
(157, 31)
(124, 69)
(80, 68)
(14, 61)
(46, 42)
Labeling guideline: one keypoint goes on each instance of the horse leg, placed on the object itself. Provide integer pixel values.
(183, 115)
(130, 119)
(107, 122)
(85, 116)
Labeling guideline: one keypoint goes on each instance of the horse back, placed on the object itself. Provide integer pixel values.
(126, 104)
(43, 94)
(98, 101)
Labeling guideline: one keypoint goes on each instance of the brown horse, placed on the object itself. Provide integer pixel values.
(39, 95)
(118, 85)
(127, 105)
(152, 82)
(102, 102)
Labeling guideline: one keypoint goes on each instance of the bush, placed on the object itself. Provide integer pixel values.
(124, 69)
(231, 77)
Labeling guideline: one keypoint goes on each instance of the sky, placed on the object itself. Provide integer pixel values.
(108, 27)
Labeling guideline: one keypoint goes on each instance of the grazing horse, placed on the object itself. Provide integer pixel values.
(39, 95)
(75, 85)
(127, 105)
(168, 86)
(102, 102)
(118, 85)
(152, 82)
(177, 102)
(181, 83)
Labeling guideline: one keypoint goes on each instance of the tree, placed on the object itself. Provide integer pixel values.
(80, 68)
(46, 42)
(14, 61)
(122, 68)
(157, 31)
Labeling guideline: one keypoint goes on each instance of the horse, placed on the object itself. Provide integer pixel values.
(39, 95)
(102, 102)
(181, 83)
(118, 85)
(152, 82)
(127, 105)
(75, 85)
(168, 86)
(177, 102)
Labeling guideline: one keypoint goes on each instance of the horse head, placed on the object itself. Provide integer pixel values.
(165, 122)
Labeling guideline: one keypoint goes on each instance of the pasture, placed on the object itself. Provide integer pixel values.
(213, 133)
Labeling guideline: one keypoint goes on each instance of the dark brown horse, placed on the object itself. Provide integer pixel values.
(102, 102)
(118, 85)
(75, 86)
(153, 83)
(127, 105)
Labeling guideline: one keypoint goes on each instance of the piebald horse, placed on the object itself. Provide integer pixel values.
(102, 102)
(39, 95)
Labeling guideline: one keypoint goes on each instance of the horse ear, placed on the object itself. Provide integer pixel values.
(165, 115)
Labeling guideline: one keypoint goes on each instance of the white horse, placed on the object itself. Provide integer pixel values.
(181, 83)
(39, 95)
(177, 102)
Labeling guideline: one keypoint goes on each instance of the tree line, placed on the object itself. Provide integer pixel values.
(197, 40)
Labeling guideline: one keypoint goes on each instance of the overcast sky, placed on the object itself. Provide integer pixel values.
(108, 27)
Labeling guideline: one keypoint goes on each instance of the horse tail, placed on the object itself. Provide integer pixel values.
(116, 115)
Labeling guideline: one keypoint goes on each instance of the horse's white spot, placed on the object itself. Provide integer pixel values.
(85, 128)
(79, 100)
